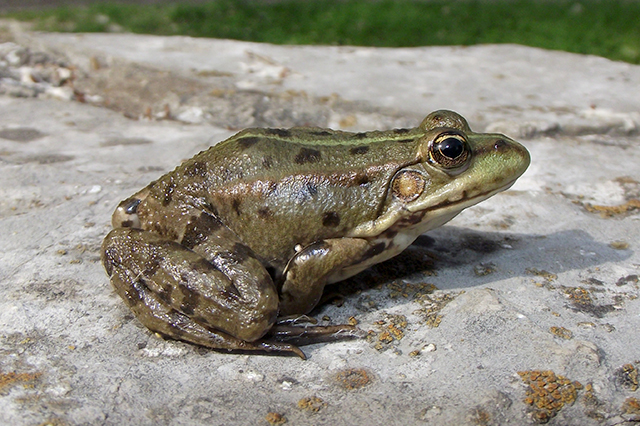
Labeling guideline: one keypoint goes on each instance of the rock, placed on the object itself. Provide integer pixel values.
(560, 296)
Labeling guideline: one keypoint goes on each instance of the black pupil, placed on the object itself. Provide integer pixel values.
(451, 148)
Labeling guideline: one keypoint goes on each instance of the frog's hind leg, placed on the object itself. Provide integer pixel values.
(177, 292)
(158, 317)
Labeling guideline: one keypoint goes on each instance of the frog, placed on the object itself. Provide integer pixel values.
(235, 246)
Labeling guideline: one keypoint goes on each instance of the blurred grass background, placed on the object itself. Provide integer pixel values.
(609, 28)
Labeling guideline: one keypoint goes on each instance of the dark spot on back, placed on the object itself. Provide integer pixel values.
(359, 150)
(236, 205)
(405, 140)
(320, 133)
(360, 135)
(248, 141)
(331, 219)
(307, 155)
(197, 168)
(264, 212)
(283, 133)
(198, 230)
(361, 179)
(401, 131)
(267, 162)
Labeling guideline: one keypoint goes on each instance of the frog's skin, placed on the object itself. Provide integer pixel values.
(251, 230)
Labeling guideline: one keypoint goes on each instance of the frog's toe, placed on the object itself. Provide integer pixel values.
(296, 319)
(302, 335)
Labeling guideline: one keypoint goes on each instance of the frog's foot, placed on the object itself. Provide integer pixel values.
(303, 335)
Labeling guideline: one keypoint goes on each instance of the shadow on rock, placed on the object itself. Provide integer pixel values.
(453, 258)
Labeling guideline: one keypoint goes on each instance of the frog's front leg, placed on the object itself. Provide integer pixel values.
(209, 290)
(312, 267)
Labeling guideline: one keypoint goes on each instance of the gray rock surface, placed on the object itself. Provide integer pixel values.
(537, 286)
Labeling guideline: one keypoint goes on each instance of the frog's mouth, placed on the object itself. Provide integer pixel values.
(463, 202)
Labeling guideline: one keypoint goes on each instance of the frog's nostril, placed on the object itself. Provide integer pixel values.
(500, 144)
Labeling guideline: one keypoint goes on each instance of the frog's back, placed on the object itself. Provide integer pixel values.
(282, 187)
(274, 153)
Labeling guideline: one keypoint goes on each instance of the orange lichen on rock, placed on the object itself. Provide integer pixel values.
(353, 378)
(631, 406)
(392, 330)
(609, 211)
(432, 305)
(11, 378)
(312, 403)
(548, 276)
(562, 332)
(548, 393)
(579, 295)
(275, 418)
(627, 376)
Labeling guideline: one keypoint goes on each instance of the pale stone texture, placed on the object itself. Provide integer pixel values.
(507, 271)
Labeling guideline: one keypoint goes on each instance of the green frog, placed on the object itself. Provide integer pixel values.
(231, 245)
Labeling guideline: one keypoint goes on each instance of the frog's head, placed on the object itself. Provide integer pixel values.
(456, 168)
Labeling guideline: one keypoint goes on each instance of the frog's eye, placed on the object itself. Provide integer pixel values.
(449, 151)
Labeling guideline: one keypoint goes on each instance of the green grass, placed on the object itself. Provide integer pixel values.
(609, 28)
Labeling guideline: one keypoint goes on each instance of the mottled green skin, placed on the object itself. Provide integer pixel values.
(279, 188)
(255, 226)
